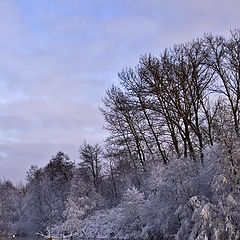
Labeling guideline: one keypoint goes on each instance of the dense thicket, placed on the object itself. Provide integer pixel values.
(170, 166)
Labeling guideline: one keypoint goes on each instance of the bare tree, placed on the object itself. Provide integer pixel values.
(133, 83)
(90, 155)
(225, 61)
(118, 105)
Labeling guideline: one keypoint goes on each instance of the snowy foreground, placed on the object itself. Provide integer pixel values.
(181, 201)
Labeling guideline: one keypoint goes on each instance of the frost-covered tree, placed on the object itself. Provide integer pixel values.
(73, 216)
(48, 189)
(8, 206)
(132, 201)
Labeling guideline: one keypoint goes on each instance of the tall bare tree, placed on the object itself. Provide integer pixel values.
(225, 61)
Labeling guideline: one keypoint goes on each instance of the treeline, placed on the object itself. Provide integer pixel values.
(177, 104)
(51, 192)
(169, 167)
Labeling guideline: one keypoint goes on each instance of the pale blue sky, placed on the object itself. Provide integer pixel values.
(57, 57)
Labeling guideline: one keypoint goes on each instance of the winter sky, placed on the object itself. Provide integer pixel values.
(57, 57)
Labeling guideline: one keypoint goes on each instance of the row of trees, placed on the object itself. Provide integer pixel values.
(178, 103)
(154, 176)
(46, 198)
